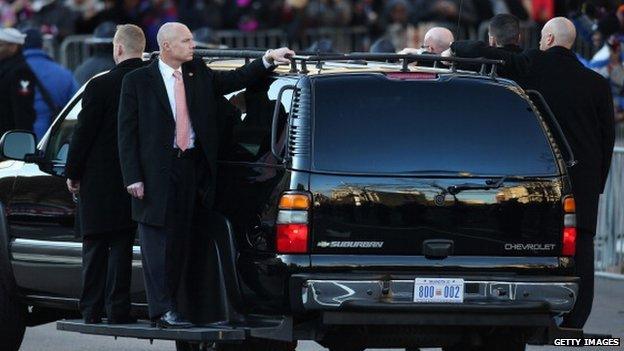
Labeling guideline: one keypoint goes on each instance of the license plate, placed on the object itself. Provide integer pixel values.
(439, 290)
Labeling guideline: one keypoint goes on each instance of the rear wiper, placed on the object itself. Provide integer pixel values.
(493, 183)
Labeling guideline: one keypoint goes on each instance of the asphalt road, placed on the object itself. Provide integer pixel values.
(607, 318)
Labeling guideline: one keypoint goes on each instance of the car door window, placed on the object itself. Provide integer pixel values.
(250, 138)
(60, 136)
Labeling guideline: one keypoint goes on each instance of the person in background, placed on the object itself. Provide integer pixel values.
(167, 140)
(581, 101)
(87, 14)
(17, 83)
(504, 32)
(52, 17)
(608, 63)
(54, 85)
(94, 174)
(382, 45)
(102, 60)
(437, 40)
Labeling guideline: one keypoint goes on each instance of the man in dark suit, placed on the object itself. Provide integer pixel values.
(503, 34)
(581, 101)
(17, 83)
(94, 173)
(168, 144)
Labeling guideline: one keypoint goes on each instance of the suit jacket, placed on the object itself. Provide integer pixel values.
(93, 156)
(147, 128)
(477, 48)
(582, 104)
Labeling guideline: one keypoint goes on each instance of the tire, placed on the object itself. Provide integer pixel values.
(254, 344)
(12, 311)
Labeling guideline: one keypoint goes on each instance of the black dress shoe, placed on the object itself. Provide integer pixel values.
(122, 320)
(172, 319)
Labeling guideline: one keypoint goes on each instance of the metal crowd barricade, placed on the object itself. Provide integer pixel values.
(271, 38)
(609, 241)
(346, 39)
(73, 51)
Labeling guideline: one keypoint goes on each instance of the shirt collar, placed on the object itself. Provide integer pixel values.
(166, 70)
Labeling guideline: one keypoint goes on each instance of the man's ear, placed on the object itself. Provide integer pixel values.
(491, 40)
(551, 39)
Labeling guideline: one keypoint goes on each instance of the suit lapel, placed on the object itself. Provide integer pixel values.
(158, 86)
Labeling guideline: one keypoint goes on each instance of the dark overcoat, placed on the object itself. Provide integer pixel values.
(93, 157)
(147, 127)
(582, 103)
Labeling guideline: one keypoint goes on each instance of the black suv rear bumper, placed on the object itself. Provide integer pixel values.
(490, 294)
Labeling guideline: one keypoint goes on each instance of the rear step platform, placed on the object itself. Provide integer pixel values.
(268, 328)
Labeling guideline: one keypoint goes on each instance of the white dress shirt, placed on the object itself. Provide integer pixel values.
(167, 75)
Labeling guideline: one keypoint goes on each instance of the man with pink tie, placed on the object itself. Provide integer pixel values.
(168, 134)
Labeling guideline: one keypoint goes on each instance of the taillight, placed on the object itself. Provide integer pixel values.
(292, 223)
(569, 227)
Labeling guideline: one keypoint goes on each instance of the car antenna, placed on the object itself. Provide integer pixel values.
(319, 65)
(458, 29)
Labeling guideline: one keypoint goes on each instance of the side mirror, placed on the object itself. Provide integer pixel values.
(18, 145)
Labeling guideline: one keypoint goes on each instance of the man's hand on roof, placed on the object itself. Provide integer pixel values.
(279, 56)
(410, 51)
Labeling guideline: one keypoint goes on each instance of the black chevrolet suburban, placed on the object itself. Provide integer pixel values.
(362, 202)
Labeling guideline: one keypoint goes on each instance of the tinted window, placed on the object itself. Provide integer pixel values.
(60, 137)
(371, 124)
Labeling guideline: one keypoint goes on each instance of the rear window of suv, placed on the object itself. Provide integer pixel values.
(373, 124)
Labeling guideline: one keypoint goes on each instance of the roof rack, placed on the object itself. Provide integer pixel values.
(318, 59)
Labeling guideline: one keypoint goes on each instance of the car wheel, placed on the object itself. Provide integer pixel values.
(12, 311)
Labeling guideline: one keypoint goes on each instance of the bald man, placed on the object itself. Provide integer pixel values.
(582, 104)
(168, 134)
(437, 39)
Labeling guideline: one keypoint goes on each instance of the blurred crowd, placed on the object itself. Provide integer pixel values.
(64, 17)
(391, 25)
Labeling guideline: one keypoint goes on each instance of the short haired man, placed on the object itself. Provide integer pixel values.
(94, 174)
(581, 101)
(17, 83)
(504, 32)
(168, 132)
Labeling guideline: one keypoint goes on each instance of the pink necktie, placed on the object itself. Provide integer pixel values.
(183, 123)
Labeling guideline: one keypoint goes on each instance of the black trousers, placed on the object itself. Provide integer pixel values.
(166, 249)
(584, 268)
(106, 274)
